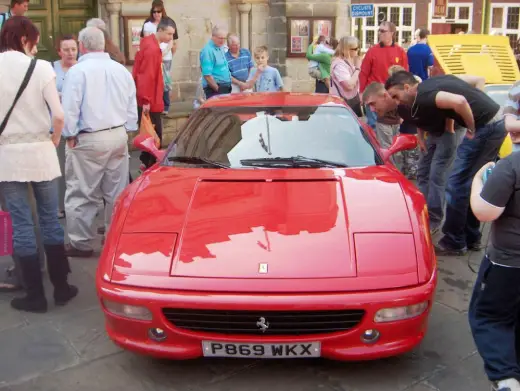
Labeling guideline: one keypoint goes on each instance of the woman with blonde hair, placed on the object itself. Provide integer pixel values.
(345, 71)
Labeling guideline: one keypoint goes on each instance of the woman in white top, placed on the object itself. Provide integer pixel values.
(28, 156)
(344, 73)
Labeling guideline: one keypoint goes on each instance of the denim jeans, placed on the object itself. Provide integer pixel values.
(371, 117)
(516, 147)
(16, 198)
(461, 228)
(166, 99)
(494, 318)
(166, 93)
(432, 172)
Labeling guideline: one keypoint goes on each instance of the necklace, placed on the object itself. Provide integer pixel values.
(417, 108)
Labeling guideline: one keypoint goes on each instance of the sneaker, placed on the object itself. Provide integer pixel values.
(477, 246)
(441, 250)
(506, 385)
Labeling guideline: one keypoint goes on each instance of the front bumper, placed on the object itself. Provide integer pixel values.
(395, 337)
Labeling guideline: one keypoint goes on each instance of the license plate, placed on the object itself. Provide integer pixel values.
(261, 350)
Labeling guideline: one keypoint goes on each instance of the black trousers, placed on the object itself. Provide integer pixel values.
(222, 89)
(147, 159)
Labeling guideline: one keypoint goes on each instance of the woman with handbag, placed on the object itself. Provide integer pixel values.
(344, 73)
(28, 156)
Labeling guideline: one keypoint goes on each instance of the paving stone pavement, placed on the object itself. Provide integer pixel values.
(67, 349)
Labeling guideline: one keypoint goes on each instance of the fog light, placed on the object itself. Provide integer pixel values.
(370, 336)
(400, 313)
(157, 334)
(128, 311)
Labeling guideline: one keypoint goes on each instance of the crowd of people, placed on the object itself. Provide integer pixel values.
(63, 106)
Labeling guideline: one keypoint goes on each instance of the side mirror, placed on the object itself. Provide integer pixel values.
(402, 142)
(147, 144)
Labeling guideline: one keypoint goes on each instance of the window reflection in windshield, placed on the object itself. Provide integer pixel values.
(232, 134)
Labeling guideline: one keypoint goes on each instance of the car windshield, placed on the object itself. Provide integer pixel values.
(498, 93)
(274, 137)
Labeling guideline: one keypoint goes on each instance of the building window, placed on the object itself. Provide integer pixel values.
(513, 14)
(506, 21)
(402, 15)
(451, 13)
(464, 13)
(497, 17)
(456, 14)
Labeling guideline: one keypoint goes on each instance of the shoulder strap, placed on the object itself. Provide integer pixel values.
(335, 84)
(23, 86)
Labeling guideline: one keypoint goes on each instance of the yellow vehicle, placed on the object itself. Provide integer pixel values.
(480, 55)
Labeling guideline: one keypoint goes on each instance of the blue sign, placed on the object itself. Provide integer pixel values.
(362, 10)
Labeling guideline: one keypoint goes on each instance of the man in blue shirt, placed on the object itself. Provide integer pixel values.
(99, 101)
(420, 56)
(216, 77)
(240, 64)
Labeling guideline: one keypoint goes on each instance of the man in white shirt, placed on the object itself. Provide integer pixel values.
(99, 100)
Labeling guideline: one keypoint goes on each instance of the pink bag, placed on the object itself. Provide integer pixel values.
(6, 234)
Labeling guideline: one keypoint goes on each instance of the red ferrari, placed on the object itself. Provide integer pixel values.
(274, 226)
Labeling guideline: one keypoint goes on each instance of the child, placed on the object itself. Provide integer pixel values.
(398, 68)
(512, 115)
(264, 78)
(322, 46)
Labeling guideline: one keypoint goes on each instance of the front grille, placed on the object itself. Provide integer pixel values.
(254, 322)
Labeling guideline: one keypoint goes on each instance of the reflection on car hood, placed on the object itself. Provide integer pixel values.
(298, 225)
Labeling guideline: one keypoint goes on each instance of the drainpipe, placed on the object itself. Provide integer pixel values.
(486, 11)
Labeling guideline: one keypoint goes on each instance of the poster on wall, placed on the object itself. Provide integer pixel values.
(323, 27)
(132, 35)
(296, 45)
(299, 35)
(136, 36)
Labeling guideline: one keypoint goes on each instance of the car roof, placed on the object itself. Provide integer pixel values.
(270, 99)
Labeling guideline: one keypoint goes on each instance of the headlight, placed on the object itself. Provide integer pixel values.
(400, 313)
(128, 311)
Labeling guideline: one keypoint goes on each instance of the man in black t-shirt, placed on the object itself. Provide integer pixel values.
(431, 103)
(436, 155)
(494, 312)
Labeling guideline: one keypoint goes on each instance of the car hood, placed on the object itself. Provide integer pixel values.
(248, 228)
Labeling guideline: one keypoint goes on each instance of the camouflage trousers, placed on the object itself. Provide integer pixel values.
(406, 161)
(410, 163)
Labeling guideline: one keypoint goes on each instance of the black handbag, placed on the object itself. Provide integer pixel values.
(22, 88)
(354, 103)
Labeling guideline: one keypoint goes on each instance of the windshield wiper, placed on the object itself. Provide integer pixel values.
(196, 160)
(295, 161)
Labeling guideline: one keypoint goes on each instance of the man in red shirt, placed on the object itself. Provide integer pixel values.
(378, 59)
(148, 78)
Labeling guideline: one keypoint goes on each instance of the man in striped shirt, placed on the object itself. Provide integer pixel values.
(240, 63)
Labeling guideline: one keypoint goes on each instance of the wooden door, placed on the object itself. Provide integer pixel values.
(40, 12)
(55, 18)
